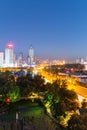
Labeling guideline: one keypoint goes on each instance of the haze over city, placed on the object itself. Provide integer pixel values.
(56, 29)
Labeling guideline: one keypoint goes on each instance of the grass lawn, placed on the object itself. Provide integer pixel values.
(32, 115)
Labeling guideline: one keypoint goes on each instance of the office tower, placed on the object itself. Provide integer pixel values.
(14, 57)
(79, 60)
(20, 59)
(1, 59)
(9, 55)
(31, 56)
(15, 60)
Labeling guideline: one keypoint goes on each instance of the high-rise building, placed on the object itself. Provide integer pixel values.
(1, 59)
(20, 59)
(80, 61)
(9, 55)
(31, 56)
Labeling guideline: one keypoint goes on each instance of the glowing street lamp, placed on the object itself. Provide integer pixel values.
(8, 100)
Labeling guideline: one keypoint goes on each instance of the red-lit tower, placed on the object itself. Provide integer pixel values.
(9, 55)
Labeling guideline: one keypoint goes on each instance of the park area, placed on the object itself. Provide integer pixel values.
(26, 115)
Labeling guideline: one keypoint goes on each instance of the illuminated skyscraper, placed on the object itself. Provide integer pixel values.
(31, 56)
(20, 59)
(1, 59)
(9, 55)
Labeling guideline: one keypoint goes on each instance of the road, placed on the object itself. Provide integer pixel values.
(77, 88)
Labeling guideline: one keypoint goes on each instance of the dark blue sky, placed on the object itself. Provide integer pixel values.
(55, 28)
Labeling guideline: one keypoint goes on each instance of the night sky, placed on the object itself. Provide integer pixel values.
(55, 28)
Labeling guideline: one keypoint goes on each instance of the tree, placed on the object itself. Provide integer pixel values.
(78, 122)
(25, 85)
(29, 84)
(6, 82)
(14, 93)
(84, 103)
(39, 83)
(61, 99)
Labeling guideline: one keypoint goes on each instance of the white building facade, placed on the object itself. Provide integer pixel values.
(9, 56)
(1, 59)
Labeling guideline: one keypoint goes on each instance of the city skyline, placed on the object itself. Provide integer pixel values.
(56, 29)
(8, 58)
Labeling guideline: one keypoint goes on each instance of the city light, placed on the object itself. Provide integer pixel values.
(8, 58)
(10, 45)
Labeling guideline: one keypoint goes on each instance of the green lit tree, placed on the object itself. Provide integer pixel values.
(14, 93)
(61, 99)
